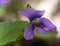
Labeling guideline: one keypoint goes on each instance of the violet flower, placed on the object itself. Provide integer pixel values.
(3, 2)
(36, 22)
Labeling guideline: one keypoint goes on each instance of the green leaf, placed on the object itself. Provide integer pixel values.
(46, 34)
(11, 31)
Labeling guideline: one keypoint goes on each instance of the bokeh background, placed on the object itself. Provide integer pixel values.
(8, 12)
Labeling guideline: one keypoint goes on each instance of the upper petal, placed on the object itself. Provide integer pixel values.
(31, 13)
(47, 24)
(40, 13)
(28, 32)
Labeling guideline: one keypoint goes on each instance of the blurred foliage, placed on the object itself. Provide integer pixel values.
(46, 34)
(15, 5)
(2, 10)
(11, 31)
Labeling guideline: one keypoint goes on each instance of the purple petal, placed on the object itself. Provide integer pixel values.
(28, 32)
(31, 13)
(40, 13)
(39, 30)
(47, 25)
(3, 2)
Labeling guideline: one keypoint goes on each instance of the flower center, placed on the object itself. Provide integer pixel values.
(35, 21)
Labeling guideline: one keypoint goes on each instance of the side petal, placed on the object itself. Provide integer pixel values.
(39, 30)
(28, 32)
(47, 24)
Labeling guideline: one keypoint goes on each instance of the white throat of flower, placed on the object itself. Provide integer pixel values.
(35, 21)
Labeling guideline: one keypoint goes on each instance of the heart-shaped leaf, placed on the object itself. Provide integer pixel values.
(11, 31)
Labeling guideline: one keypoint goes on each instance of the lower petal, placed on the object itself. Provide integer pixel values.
(28, 32)
(39, 30)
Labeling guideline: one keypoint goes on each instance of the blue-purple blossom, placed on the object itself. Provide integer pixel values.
(3, 2)
(36, 22)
